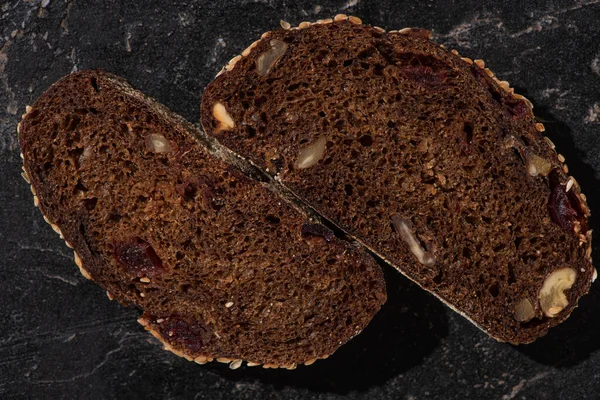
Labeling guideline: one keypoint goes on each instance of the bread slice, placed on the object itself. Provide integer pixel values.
(222, 267)
(423, 156)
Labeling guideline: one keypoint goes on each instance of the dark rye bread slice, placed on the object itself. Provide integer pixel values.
(423, 156)
(221, 266)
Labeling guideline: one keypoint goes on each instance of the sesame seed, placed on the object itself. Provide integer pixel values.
(569, 184)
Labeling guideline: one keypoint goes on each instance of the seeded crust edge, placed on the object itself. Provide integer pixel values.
(583, 239)
(167, 114)
(233, 363)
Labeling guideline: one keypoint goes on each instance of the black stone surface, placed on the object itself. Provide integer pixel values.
(61, 338)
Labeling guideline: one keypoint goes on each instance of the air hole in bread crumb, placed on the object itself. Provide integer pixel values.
(499, 247)
(367, 53)
(94, 83)
(71, 122)
(348, 189)
(495, 95)
(80, 187)
(260, 101)
(272, 219)
(366, 140)
(468, 129)
(494, 290)
(511, 275)
(90, 204)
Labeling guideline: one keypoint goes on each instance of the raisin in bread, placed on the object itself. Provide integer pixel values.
(222, 267)
(423, 156)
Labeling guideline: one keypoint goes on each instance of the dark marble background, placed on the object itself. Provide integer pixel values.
(61, 338)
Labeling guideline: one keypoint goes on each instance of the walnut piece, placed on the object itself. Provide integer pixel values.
(552, 297)
(536, 165)
(402, 226)
(524, 311)
(311, 154)
(225, 121)
(158, 143)
(265, 61)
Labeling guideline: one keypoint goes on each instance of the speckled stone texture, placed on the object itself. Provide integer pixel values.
(62, 338)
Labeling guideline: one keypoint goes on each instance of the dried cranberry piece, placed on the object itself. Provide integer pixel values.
(519, 109)
(309, 229)
(424, 75)
(191, 336)
(138, 257)
(564, 207)
(560, 208)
